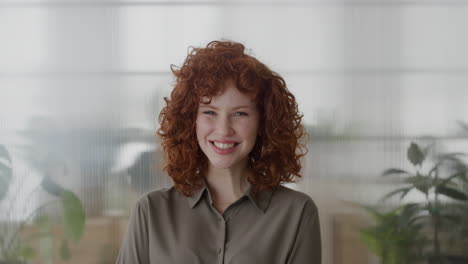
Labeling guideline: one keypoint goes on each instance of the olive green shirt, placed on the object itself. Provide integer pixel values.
(271, 227)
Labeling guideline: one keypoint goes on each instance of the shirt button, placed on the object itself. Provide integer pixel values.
(219, 219)
(219, 250)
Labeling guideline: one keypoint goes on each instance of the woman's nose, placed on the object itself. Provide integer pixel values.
(224, 126)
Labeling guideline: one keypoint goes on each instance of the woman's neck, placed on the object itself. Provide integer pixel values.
(227, 185)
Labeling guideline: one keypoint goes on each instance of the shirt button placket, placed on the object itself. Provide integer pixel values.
(222, 240)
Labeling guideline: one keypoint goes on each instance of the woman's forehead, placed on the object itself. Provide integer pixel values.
(238, 101)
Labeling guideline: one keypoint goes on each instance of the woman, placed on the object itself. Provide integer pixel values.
(231, 135)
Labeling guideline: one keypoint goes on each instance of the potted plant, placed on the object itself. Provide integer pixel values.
(14, 247)
(444, 205)
(395, 237)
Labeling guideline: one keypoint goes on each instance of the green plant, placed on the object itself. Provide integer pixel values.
(13, 247)
(395, 236)
(443, 180)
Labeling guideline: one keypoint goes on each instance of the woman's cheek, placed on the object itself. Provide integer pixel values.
(205, 123)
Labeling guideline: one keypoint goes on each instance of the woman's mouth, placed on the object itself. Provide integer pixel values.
(223, 148)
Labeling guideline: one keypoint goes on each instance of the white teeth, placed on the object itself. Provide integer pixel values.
(223, 146)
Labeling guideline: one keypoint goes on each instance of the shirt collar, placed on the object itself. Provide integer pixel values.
(261, 199)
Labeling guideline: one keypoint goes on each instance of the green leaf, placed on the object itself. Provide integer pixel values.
(376, 215)
(414, 220)
(403, 190)
(371, 241)
(419, 182)
(5, 179)
(454, 219)
(451, 155)
(65, 250)
(415, 155)
(5, 169)
(460, 175)
(409, 210)
(4, 153)
(463, 125)
(403, 194)
(456, 162)
(393, 171)
(452, 193)
(52, 187)
(73, 217)
(28, 253)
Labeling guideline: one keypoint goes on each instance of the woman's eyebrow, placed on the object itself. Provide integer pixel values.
(214, 107)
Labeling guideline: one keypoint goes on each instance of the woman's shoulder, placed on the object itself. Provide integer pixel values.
(289, 197)
(288, 193)
(158, 196)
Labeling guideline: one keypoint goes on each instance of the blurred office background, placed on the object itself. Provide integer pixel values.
(82, 84)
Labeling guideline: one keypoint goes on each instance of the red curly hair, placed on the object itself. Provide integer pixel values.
(275, 158)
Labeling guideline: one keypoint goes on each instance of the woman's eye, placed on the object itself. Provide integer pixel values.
(236, 114)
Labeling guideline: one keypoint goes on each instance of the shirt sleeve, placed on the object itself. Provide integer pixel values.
(307, 248)
(134, 248)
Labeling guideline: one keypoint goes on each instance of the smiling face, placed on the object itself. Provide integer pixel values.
(227, 128)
